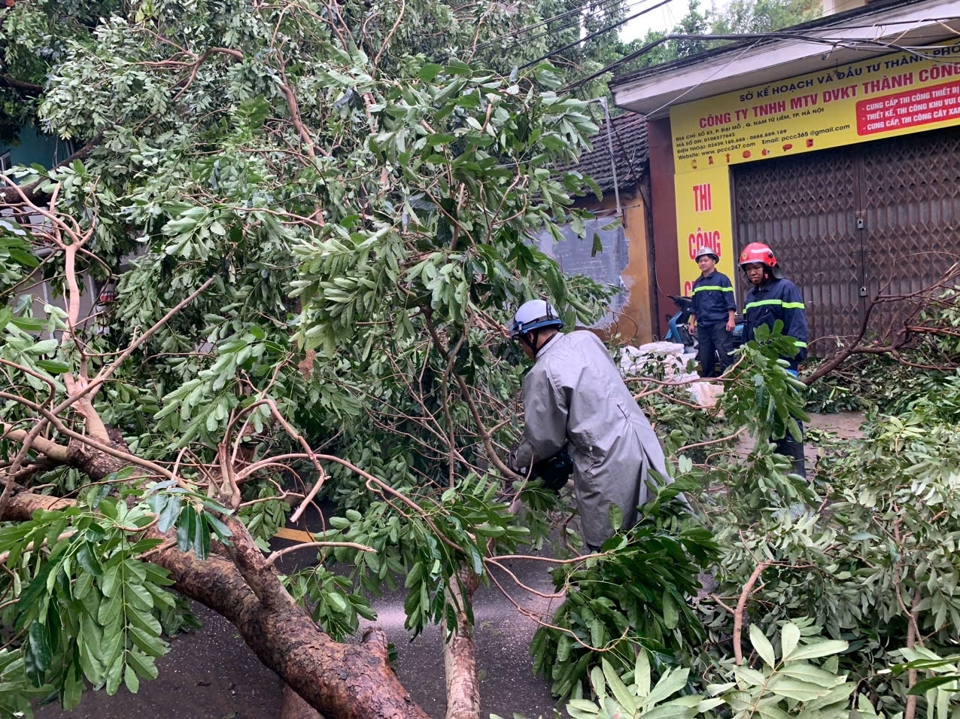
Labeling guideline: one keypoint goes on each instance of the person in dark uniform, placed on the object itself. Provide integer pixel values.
(773, 297)
(712, 317)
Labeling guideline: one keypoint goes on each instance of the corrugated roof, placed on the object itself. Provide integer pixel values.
(629, 150)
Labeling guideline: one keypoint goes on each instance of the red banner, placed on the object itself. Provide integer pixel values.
(909, 109)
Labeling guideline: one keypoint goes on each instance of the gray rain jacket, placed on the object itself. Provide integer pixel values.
(574, 393)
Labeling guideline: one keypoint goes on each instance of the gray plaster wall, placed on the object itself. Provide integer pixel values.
(575, 256)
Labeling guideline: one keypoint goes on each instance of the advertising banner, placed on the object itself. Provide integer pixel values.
(704, 220)
(886, 96)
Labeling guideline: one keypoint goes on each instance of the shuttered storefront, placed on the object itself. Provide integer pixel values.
(851, 222)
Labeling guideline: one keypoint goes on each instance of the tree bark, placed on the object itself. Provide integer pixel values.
(460, 658)
(24, 88)
(293, 707)
(342, 681)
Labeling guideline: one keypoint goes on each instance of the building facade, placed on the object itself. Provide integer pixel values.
(837, 143)
(615, 249)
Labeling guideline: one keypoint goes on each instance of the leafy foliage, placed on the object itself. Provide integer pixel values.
(633, 596)
(86, 605)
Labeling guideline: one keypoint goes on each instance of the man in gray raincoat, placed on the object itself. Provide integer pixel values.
(574, 397)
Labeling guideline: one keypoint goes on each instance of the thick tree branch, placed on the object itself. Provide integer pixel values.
(926, 298)
(23, 88)
(742, 609)
(46, 447)
(471, 404)
(343, 680)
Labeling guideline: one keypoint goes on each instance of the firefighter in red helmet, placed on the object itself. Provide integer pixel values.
(773, 297)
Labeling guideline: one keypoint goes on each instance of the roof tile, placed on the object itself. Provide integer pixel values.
(629, 149)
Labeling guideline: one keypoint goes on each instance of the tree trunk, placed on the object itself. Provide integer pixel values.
(460, 658)
(293, 707)
(342, 681)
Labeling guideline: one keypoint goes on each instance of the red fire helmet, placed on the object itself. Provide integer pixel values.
(757, 252)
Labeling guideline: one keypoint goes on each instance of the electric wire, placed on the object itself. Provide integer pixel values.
(759, 38)
(686, 92)
(603, 4)
(574, 23)
(595, 34)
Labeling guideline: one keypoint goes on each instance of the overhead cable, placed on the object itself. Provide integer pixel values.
(759, 38)
(603, 4)
(569, 24)
(595, 34)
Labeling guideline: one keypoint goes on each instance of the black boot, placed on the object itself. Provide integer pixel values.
(789, 447)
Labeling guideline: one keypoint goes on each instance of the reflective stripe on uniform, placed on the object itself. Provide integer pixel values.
(776, 303)
(712, 287)
(800, 344)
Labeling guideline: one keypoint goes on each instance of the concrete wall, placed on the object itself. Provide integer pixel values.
(625, 263)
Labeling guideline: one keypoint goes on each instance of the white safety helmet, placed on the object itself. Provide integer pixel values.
(533, 315)
(707, 252)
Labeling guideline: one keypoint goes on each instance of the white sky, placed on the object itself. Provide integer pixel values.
(661, 19)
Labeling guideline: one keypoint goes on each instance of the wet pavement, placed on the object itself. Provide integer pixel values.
(210, 674)
(843, 425)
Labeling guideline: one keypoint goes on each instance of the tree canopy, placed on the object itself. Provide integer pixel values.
(316, 220)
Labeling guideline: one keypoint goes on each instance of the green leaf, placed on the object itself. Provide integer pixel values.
(790, 638)
(169, 513)
(151, 645)
(87, 558)
(186, 527)
(671, 614)
(109, 614)
(145, 665)
(815, 650)
(430, 71)
(115, 675)
(201, 537)
(28, 324)
(809, 673)
(72, 690)
(672, 681)
(925, 685)
(623, 695)
(110, 580)
(26, 259)
(796, 689)
(38, 654)
(337, 601)
(641, 674)
(598, 683)
(53, 366)
(222, 531)
(763, 646)
(44, 347)
(131, 680)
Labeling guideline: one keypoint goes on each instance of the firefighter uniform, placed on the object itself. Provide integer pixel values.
(713, 301)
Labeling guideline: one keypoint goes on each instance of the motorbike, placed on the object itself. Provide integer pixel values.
(678, 324)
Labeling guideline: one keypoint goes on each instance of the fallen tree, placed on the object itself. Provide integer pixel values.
(321, 253)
